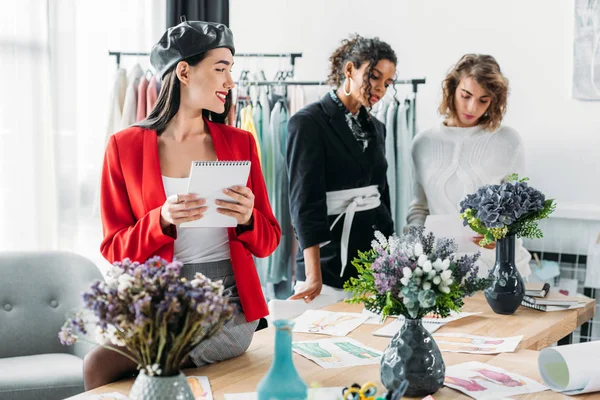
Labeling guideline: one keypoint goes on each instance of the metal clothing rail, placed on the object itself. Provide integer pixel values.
(291, 56)
(414, 82)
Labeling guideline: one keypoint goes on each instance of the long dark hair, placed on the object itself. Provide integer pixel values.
(168, 101)
(359, 50)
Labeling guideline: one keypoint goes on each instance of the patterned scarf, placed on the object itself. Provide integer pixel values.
(360, 124)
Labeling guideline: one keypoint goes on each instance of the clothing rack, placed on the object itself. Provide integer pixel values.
(414, 82)
(291, 56)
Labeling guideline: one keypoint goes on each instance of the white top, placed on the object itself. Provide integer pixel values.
(452, 162)
(197, 245)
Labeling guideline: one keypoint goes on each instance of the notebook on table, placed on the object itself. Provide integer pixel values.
(207, 180)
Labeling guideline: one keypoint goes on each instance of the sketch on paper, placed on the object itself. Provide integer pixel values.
(483, 381)
(328, 322)
(337, 353)
(586, 50)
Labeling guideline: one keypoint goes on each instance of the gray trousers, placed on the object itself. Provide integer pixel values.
(236, 334)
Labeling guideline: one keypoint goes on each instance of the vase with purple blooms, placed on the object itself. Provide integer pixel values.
(502, 213)
(150, 314)
(413, 275)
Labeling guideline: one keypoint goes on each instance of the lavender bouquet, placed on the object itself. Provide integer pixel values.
(414, 275)
(150, 311)
(512, 208)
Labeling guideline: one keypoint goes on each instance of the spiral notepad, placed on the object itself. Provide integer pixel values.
(208, 179)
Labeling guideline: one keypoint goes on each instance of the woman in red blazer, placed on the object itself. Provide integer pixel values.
(144, 180)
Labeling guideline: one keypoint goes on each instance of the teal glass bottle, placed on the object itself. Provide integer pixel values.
(282, 382)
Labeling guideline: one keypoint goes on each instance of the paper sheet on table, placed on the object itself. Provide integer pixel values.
(200, 387)
(374, 318)
(571, 368)
(483, 381)
(106, 396)
(464, 343)
(451, 226)
(328, 322)
(337, 353)
(432, 324)
(333, 393)
(592, 271)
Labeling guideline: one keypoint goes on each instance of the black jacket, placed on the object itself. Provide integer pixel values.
(323, 156)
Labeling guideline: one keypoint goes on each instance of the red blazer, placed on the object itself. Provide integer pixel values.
(132, 194)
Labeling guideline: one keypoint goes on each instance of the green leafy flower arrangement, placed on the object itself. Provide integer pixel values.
(512, 208)
(414, 275)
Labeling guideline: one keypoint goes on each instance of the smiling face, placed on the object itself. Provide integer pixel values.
(381, 77)
(205, 85)
(471, 101)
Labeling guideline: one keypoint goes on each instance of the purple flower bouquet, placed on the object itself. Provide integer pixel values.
(414, 275)
(152, 313)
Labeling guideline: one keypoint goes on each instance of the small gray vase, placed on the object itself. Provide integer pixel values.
(160, 388)
(413, 355)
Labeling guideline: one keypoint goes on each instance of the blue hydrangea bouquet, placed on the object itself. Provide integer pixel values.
(151, 312)
(512, 208)
(414, 275)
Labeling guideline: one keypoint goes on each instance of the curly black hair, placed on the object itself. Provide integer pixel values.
(359, 50)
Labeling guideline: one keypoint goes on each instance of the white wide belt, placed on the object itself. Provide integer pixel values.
(348, 202)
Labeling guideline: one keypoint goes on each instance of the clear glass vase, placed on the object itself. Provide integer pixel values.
(282, 381)
(160, 388)
(508, 288)
(413, 355)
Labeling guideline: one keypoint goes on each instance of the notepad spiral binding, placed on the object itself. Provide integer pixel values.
(219, 163)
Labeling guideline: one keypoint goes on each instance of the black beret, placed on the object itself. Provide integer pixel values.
(188, 39)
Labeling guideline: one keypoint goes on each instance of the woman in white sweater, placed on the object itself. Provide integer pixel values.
(469, 149)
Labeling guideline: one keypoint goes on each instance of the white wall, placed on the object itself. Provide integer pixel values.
(532, 41)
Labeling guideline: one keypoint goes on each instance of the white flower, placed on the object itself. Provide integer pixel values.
(375, 244)
(382, 240)
(446, 264)
(124, 282)
(431, 274)
(394, 244)
(153, 370)
(426, 285)
(406, 300)
(437, 264)
(418, 272)
(447, 274)
(449, 282)
(113, 337)
(418, 280)
(406, 272)
(427, 267)
(444, 289)
(418, 249)
(404, 281)
(422, 260)
(437, 280)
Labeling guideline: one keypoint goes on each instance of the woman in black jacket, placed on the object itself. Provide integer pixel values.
(337, 168)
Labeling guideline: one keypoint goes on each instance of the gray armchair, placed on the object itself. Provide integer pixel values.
(37, 292)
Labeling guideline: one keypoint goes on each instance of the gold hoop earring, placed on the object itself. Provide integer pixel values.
(349, 92)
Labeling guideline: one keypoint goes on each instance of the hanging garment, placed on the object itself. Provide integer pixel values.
(117, 99)
(248, 125)
(280, 262)
(297, 98)
(142, 93)
(151, 95)
(390, 155)
(404, 181)
(130, 105)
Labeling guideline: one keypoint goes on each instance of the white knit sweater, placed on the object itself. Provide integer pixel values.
(451, 162)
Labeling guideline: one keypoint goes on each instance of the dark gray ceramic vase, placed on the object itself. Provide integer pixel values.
(507, 289)
(413, 355)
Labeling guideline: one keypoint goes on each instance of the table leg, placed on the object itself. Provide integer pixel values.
(566, 340)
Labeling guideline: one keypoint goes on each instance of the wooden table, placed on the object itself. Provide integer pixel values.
(539, 330)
